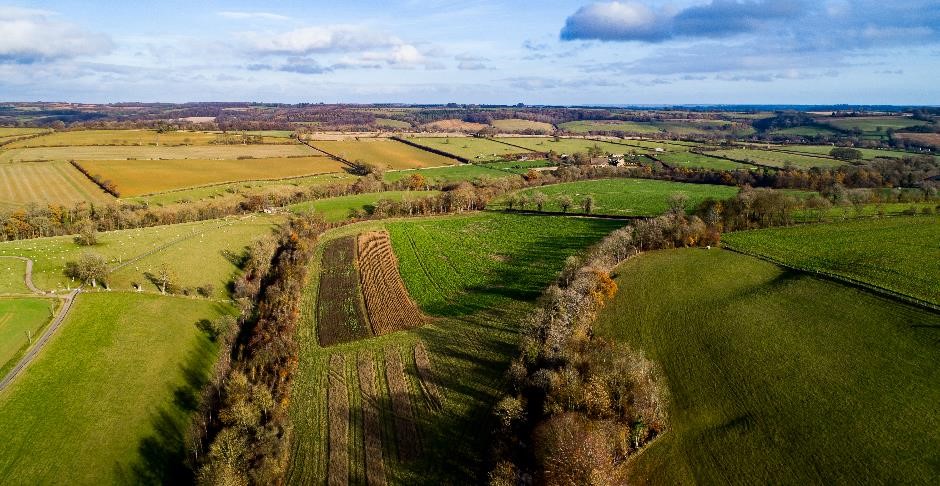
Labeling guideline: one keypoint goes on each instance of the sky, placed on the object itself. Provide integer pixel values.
(568, 52)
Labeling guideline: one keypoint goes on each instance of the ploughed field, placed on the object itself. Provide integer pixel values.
(899, 254)
(779, 377)
(143, 177)
(619, 197)
(386, 409)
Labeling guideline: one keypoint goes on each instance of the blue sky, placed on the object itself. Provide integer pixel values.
(535, 52)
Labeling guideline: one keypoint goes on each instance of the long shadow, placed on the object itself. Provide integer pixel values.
(162, 455)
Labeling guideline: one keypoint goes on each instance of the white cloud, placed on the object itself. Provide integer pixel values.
(30, 36)
(318, 39)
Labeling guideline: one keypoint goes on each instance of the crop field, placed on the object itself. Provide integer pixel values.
(196, 253)
(139, 137)
(123, 373)
(11, 134)
(518, 125)
(462, 172)
(453, 367)
(132, 152)
(336, 209)
(454, 126)
(384, 153)
(472, 148)
(235, 189)
(140, 177)
(872, 124)
(588, 126)
(900, 254)
(341, 311)
(21, 320)
(46, 182)
(778, 159)
(621, 197)
(564, 145)
(694, 160)
(758, 359)
(387, 301)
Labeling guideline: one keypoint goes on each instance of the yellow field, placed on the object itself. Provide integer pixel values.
(46, 182)
(518, 125)
(139, 177)
(151, 152)
(8, 134)
(130, 137)
(384, 153)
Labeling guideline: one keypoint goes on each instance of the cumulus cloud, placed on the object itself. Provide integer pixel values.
(31, 36)
(319, 39)
(616, 21)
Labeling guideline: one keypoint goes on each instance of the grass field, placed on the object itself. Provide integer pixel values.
(805, 131)
(19, 316)
(46, 182)
(12, 271)
(463, 172)
(511, 257)
(150, 152)
(475, 149)
(871, 124)
(622, 197)
(245, 187)
(901, 254)
(694, 160)
(338, 208)
(384, 153)
(778, 159)
(197, 252)
(587, 126)
(140, 177)
(564, 145)
(518, 166)
(778, 377)
(867, 154)
(108, 399)
(518, 125)
(850, 211)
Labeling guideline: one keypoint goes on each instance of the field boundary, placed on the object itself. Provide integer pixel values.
(843, 279)
(95, 180)
(528, 150)
(431, 150)
(335, 157)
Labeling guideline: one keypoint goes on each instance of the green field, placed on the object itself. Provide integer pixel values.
(849, 211)
(777, 159)
(45, 183)
(140, 177)
(518, 166)
(490, 265)
(564, 145)
(108, 399)
(678, 126)
(196, 252)
(870, 124)
(699, 161)
(518, 125)
(900, 254)
(12, 271)
(234, 189)
(777, 377)
(587, 126)
(336, 209)
(471, 148)
(385, 153)
(19, 316)
(805, 131)
(462, 172)
(867, 154)
(622, 197)
(129, 152)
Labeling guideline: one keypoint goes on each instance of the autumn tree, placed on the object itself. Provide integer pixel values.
(90, 268)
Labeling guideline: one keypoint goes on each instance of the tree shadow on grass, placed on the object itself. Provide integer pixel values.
(162, 454)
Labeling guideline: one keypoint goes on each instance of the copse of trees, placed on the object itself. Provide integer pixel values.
(846, 153)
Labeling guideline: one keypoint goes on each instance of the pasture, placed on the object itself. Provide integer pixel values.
(462, 172)
(871, 125)
(196, 253)
(698, 161)
(519, 125)
(777, 159)
(142, 177)
(867, 154)
(133, 152)
(384, 153)
(564, 145)
(237, 189)
(122, 374)
(46, 183)
(21, 319)
(472, 148)
(449, 370)
(337, 209)
(587, 126)
(900, 254)
(12, 271)
(619, 197)
(843, 212)
(805, 131)
(776, 376)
